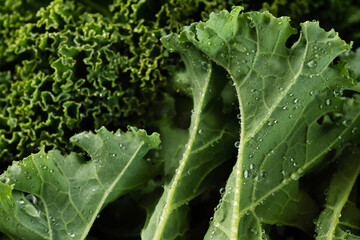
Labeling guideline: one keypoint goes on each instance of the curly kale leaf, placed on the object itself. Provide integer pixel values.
(69, 66)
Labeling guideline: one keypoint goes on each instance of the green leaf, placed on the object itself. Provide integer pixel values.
(51, 196)
(353, 59)
(191, 156)
(330, 224)
(291, 109)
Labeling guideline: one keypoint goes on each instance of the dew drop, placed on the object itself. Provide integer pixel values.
(246, 174)
(251, 166)
(263, 174)
(4, 179)
(294, 176)
(312, 64)
(346, 122)
(237, 144)
(21, 202)
(31, 198)
(355, 130)
(328, 102)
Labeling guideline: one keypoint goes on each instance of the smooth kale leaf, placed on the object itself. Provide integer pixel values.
(51, 196)
(341, 216)
(292, 114)
(353, 60)
(191, 156)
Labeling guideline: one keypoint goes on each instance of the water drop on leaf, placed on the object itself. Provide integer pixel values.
(312, 64)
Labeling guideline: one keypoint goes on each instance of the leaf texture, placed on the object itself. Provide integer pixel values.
(335, 221)
(292, 114)
(51, 196)
(191, 156)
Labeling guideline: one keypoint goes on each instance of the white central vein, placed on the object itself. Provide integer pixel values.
(109, 190)
(239, 164)
(167, 209)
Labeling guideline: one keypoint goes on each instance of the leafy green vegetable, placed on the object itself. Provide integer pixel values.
(248, 100)
(65, 69)
(283, 93)
(205, 147)
(329, 223)
(51, 196)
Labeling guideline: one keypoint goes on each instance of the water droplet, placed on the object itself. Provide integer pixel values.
(237, 144)
(21, 202)
(346, 122)
(246, 174)
(296, 100)
(251, 24)
(294, 176)
(250, 155)
(285, 108)
(312, 64)
(31, 198)
(311, 92)
(200, 131)
(328, 102)
(355, 130)
(251, 166)
(71, 234)
(4, 179)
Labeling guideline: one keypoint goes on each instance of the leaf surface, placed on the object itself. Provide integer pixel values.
(191, 156)
(51, 196)
(331, 224)
(291, 109)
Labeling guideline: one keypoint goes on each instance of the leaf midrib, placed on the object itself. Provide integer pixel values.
(238, 181)
(182, 163)
(110, 188)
